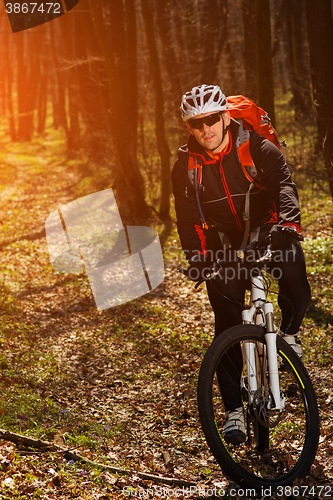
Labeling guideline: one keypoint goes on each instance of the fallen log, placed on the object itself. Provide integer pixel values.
(68, 454)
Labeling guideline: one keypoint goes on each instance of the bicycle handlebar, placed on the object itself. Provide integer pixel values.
(218, 265)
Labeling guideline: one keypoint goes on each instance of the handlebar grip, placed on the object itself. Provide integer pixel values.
(294, 234)
(291, 232)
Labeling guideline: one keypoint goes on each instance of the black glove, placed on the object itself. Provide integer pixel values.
(200, 268)
(282, 237)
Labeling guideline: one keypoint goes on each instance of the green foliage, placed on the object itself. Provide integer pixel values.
(24, 410)
(319, 253)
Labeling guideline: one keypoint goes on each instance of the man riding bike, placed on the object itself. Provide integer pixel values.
(223, 210)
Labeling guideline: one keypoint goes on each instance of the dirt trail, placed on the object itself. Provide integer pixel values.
(131, 370)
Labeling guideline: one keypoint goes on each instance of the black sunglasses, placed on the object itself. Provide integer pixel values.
(209, 120)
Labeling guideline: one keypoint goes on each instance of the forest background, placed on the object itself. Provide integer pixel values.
(91, 101)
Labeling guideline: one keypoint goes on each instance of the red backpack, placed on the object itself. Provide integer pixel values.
(253, 117)
(250, 118)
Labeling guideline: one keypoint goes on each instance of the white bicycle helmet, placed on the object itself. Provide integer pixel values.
(202, 99)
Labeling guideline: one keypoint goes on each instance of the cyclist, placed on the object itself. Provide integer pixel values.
(211, 225)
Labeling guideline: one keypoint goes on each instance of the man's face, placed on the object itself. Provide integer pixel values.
(211, 136)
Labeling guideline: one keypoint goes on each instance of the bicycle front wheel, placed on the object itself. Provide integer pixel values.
(280, 446)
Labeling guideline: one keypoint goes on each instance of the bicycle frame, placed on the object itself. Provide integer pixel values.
(261, 313)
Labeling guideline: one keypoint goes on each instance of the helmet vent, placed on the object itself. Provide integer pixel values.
(202, 99)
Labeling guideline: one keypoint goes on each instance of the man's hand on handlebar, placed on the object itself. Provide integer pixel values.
(282, 237)
(200, 268)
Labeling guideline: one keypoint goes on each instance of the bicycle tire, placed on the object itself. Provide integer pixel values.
(293, 441)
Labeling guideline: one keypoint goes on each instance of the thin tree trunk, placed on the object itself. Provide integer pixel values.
(42, 97)
(299, 76)
(9, 88)
(59, 88)
(320, 33)
(280, 53)
(250, 56)
(170, 56)
(188, 26)
(129, 183)
(67, 26)
(213, 34)
(264, 58)
(131, 81)
(23, 133)
(279, 26)
(28, 72)
(162, 144)
(33, 77)
(73, 108)
(94, 92)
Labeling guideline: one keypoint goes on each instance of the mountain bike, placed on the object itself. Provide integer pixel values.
(281, 411)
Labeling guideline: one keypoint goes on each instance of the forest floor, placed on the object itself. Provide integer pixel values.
(119, 386)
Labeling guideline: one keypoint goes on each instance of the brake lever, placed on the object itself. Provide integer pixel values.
(215, 271)
(198, 283)
(212, 275)
(183, 271)
(267, 255)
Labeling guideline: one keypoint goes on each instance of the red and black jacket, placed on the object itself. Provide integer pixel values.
(223, 190)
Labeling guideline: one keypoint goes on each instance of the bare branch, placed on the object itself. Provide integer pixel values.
(29, 442)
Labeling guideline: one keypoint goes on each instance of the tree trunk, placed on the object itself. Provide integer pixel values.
(73, 111)
(21, 87)
(94, 97)
(28, 73)
(213, 34)
(320, 33)
(250, 56)
(280, 52)
(67, 27)
(299, 76)
(33, 77)
(170, 55)
(131, 72)
(264, 58)
(9, 88)
(60, 117)
(162, 144)
(129, 183)
(42, 97)
(188, 27)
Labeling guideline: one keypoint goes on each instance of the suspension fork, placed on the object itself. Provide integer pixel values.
(256, 355)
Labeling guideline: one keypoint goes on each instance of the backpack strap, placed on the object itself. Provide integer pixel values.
(250, 172)
(243, 134)
(195, 177)
(246, 215)
(249, 169)
(243, 149)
